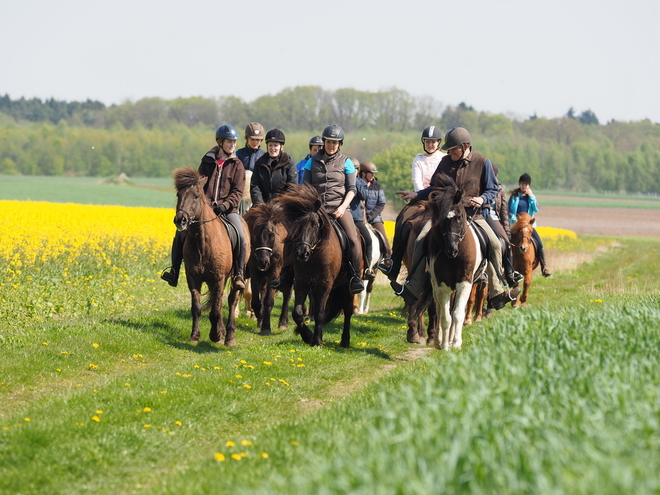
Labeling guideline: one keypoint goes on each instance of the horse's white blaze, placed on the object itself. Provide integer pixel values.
(451, 214)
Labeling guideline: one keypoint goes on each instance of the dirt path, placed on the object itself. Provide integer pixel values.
(602, 221)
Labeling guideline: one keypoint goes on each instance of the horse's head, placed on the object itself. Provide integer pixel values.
(190, 197)
(266, 233)
(310, 234)
(450, 217)
(521, 232)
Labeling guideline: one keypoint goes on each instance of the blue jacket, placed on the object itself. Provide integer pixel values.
(373, 197)
(513, 206)
(249, 156)
(300, 166)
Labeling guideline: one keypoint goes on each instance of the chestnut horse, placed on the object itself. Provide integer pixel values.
(524, 253)
(316, 257)
(454, 260)
(266, 260)
(207, 254)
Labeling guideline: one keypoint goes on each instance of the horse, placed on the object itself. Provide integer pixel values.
(316, 256)
(207, 254)
(266, 260)
(415, 333)
(455, 259)
(371, 261)
(524, 257)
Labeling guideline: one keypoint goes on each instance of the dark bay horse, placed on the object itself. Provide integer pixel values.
(317, 264)
(266, 260)
(455, 258)
(207, 254)
(524, 253)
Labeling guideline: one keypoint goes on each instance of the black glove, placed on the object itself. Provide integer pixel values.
(220, 210)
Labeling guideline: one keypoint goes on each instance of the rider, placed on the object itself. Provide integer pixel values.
(333, 176)
(473, 174)
(522, 200)
(223, 190)
(315, 145)
(273, 170)
(373, 195)
(254, 134)
(423, 166)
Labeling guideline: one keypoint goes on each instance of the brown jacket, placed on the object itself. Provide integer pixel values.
(226, 188)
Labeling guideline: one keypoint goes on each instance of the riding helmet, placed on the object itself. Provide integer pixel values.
(432, 132)
(525, 179)
(225, 131)
(316, 141)
(275, 136)
(455, 137)
(333, 133)
(254, 130)
(368, 167)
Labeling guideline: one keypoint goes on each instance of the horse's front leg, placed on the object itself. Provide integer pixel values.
(232, 301)
(442, 297)
(298, 313)
(415, 326)
(215, 315)
(433, 323)
(318, 310)
(463, 292)
(258, 289)
(284, 315)
(267, 309)
(195, 310)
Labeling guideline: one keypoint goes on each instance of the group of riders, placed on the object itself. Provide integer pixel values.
(350, 194)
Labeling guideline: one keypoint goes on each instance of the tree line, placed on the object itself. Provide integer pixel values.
(152, 136)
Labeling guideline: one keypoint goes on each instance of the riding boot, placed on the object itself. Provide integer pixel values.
(540, 254)
(512, 277)
(171, 276)
(356, 285)
(238, 282)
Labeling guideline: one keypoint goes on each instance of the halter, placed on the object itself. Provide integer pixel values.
(305, 243)
(263, 248)
(191, 218)
(465, 231)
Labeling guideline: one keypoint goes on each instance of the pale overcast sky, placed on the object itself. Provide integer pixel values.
(517, 57)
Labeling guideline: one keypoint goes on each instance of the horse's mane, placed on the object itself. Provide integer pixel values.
(297, 206)
(258, 216)
(441, 198)
(523, 220)
(185, 177)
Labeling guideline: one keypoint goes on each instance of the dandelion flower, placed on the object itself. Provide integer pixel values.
(245, 443)
(263, 455)
(267, 363)
(239, 376)
(27, 419)
(147, 426)
(243, 361)
(245, 385)
(230, 443)
(127, 384)
(45, 343)
(294, 443)
(147, 409)
(236, 457)
(95, 345)
(178, 423)
(96, 418)
(219, 457)
(99, 412)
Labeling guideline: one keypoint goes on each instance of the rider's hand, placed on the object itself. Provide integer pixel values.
(477, 201)
(339, 212)
(407, 195)
(220, 209)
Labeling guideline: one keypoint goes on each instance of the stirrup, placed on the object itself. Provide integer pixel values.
(356, 285)
(385, 265)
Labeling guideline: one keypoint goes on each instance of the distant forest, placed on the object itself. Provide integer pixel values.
(152, 136)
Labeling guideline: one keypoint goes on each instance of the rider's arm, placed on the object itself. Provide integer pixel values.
(417, 176)
(489, 187)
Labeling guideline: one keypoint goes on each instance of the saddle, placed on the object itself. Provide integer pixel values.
(233, 236)
(381, 240)
(484, 243)
(343, 238)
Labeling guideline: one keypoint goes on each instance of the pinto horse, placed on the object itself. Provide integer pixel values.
(207, 254)
(266, 260)
(524, 253)
(316, 257)
(371, 261)
(455, 259)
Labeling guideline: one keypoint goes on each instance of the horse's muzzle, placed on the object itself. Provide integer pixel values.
(181, 221)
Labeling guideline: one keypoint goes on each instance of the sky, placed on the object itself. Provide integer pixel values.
(516, 57)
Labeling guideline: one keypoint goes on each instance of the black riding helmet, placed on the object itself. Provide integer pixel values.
(333, 133)
(275, 136)
(315, 141)
(525, 179)
(431, 132)
(455, 137)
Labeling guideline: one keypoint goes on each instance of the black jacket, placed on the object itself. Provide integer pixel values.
(270, 175)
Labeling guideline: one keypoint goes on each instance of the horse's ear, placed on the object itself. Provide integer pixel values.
(202, 181)
(458, 196)
(532, 220)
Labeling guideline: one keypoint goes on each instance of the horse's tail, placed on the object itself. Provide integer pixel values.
(335, 303)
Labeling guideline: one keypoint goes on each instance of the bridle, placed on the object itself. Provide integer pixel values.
(191, 217)
(461, 235)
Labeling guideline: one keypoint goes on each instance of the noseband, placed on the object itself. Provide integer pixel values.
(191, 218)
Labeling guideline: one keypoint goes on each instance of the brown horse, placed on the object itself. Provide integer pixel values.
(524, 253)
(416, 334)
(207, 254)
(316, 257)
(266, 260)
(454, 260)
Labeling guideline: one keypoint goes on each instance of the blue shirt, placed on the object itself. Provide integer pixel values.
(349, 168)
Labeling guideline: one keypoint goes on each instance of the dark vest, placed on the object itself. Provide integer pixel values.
(329, 179)
(466, 173)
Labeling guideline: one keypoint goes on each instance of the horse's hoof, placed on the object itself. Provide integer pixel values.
(445, 347)
(283, 326)
(214, 338)
(230, 342)
(193, 341)
(265, 332)
(467, 322)
(456, 345)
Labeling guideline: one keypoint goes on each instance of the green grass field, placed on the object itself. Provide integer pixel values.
(562, 396)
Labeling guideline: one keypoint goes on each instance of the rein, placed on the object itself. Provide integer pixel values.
(191, 218)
